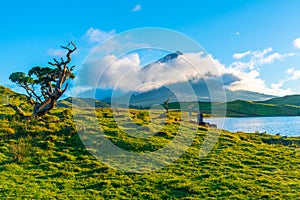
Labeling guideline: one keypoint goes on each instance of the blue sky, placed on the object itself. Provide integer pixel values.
(255, 39)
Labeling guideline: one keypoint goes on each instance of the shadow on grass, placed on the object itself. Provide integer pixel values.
(92, 172)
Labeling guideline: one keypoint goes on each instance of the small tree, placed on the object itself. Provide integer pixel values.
(45, 85)
(166, 105)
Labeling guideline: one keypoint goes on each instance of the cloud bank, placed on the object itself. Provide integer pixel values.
(247, 67)
(126, 73)
(257, 58)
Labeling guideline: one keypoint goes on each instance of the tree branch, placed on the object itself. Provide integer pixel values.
(27, 88)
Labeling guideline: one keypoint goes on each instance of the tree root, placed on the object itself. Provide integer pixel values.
(22, 114)
(19, 111)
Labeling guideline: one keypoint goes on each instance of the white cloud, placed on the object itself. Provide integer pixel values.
(277, 85)
(249, 73)
(117, 46)
(107, 71)
(136, 8)
(241, 55)
(56, 52)
(77, 90)
(97, 35)
(258, 58)
(127, 74)
(297, 43)
(251, 81)
(248, 81)
(294, 74)
(276, 88)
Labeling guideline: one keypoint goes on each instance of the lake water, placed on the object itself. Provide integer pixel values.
(289, 126)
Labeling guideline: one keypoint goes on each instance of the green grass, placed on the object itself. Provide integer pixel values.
(55, 164)
(48, 161)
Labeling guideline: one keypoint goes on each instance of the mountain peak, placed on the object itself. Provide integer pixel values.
(170, 57)
(178, 52)
(165, 59)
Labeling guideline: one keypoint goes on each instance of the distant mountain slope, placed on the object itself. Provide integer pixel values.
(200, 90)
(251, 108)
(81, 102)
(283, 106)
(247, 95)
(286, 100)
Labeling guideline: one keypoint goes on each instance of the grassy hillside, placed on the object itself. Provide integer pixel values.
(241, 108)
(81, 102)
(250, 108)
(48, 160)
(280, 106)
(286, 100)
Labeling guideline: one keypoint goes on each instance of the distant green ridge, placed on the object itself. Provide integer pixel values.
(286, 100)
(283, 106)
(81, 102)
(280, 106)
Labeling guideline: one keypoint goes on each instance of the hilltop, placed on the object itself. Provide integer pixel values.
(278, 106)
(271, 107)
(48, 160)
(293, 100)
(82, 102)
(283, 106)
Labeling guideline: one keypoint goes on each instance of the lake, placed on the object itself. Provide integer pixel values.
(289, 126)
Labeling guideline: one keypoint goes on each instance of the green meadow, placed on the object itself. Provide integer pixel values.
(47, 160)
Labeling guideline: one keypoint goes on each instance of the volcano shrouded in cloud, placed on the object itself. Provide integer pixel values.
(157, 81)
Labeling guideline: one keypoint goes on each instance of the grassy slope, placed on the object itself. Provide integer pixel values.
(241, 108)
(281, 106)
(249, 108)
(83, 102)
(39, 160)
(286, 100)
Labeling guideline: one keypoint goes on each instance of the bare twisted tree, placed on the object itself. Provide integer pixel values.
(51, 81)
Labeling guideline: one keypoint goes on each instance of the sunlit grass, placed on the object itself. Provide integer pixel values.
(53, 162)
